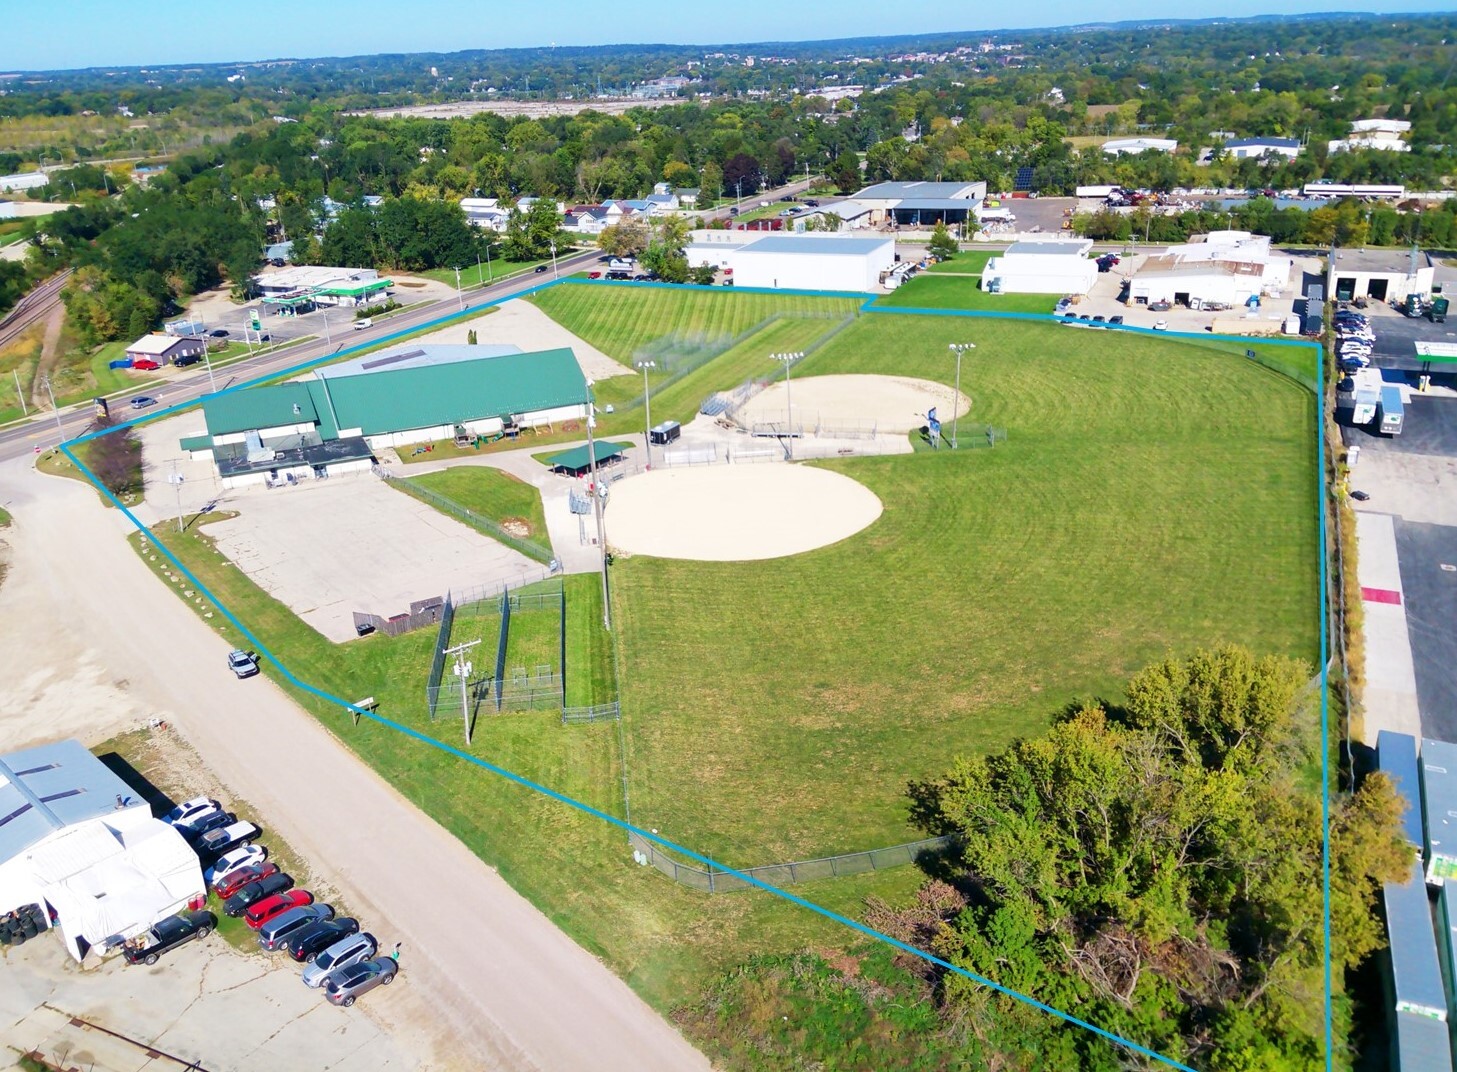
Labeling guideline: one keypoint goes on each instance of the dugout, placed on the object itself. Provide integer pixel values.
(663, 434)
(577, 461)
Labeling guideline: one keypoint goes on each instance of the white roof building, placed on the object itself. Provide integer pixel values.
(77, 841)
(1226, 268)
(779, 261)
(1123, 146)
(1242, 148)
(1047, 266)
(25, 180)
(1382, 134)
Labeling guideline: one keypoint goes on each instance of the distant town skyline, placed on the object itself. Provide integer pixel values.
(71, 34)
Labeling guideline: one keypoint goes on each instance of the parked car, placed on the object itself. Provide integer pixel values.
(1100, 319)
(1116, 318)
(256, 891)
(273, 934)
(143, 402)
(220, 333)
(341, 954)
(239, 877)
(168, 935)
(308, 942)
(342, 987)
(145, 364)
(186, 359)
(594, 275)
(1161, 325)
(231, 861)
(1351, 364)
(242, 663)
(194, 829)
(272, 907)
(1159, 307)
(216, 842)
(810, 202)
(191, 809)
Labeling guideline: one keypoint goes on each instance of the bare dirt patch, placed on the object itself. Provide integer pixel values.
(516, 526)
(893, 404)
(736, 513)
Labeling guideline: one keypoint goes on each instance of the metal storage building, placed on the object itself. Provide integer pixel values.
(1396, 757)
(1416, 973)
(813, 262)
(1049, 266)
(1439, 809)
(1421, 1044)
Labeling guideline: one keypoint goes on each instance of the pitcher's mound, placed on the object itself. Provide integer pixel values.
(893, 404)
(734, 513)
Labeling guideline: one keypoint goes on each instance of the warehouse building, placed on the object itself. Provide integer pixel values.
(911, 204)
(1124, 146)
(795, 261)
(1226, 270)
(1259, 148)
(1380, 275)
(1049, 266)
(333, 422)
(76, 841)
(24, 180)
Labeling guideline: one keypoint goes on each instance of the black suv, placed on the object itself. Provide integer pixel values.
(254, 892)
(168, 935)
(314, 938)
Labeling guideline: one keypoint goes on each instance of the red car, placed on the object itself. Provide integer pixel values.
(234, 881)
(145, 364)
(276, 905)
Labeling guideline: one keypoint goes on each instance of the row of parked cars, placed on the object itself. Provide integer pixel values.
(339, 959)
(1354, 339)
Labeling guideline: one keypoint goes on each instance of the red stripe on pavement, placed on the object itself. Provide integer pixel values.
(1380, 595)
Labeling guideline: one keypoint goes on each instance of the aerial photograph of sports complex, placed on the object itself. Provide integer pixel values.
(912, 547)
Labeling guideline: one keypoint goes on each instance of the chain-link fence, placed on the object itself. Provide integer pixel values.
(854, 863)
(447, 505)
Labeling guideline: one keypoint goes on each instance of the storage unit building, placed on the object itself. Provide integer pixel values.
(1439, 809)
(1416, 972)
(1396, 757)
(165, 349)
(813, 262)
(1050, 266)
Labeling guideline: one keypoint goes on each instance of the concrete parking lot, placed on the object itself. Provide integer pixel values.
(205, 1003)
(329, 548)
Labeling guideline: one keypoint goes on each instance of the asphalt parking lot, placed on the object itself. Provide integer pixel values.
(1397, 336)
(1428, 557)
(1430, 428)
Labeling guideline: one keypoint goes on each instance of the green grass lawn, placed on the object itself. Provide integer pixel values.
(499, 497)
(499, 268)
(949, 292)
(664, 939)
(967, 262)
(1152, 498)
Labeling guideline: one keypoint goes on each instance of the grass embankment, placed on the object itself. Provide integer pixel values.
(950, 292)
(54, 463)
(967, 262)
(1153, 498)
(500, 268)
(662, 938)
(498, 497)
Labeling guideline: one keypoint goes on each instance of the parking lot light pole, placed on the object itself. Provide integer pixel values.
(554, 273)
(207, 360)
(597, 509)
(957, 348)
(458, 295)
(787, 360)
(647, 395)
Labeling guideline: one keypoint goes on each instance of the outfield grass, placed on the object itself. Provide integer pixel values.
(949, 292)
(1153, 497)
(664, 939)
(494, 495)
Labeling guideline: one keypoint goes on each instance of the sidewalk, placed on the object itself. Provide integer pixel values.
(1391, 683)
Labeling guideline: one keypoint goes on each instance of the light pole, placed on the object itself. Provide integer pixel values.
(787, 360)
(490, 275)
(597, 509)
(647, 426)
(458, 295)
(957, 348)
(207, 360)
(554, 273)
(46, 382)
(20, 394)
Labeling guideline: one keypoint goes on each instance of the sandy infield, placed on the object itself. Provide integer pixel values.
(519, 323)
(892, 403)
(736, 513)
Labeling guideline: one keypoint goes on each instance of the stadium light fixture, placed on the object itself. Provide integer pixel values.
(597, 508)
(788, 359)
(957, 348)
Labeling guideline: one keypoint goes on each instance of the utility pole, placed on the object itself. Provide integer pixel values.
(20, 394)
(554, 273)
(787, 360)
(207, 360)
(462, 670)
(957, 348)
(597, 509)
(175, 479)
(46, 383)
(647, 427)
(458, 295)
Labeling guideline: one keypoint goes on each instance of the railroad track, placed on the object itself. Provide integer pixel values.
(33, 308)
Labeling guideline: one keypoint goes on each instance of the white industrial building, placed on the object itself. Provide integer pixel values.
(1227, 269)
(1380, 275)
(1258, 148)
(1123, 146)
(25, 180)
(1383, 134)
(79, 843)
(910, 204)
(795, 261)
(1049, 266)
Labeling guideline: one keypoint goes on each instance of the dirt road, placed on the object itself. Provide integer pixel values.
(507, 989)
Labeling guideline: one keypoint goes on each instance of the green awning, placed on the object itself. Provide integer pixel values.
(198, 442)
(577, 458)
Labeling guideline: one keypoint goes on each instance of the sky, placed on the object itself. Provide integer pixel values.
(98, 33)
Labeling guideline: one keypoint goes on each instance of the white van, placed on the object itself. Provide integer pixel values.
(366, 322)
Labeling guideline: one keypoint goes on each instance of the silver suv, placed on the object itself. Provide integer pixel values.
(341, 954)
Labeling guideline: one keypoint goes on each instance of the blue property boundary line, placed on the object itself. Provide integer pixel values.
(625, 825)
